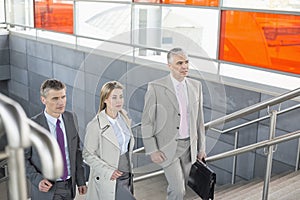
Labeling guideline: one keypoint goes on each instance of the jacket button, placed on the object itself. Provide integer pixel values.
(97, 178)
(177, 127)
(178, 114)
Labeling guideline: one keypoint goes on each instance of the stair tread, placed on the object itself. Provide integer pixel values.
(282, 186)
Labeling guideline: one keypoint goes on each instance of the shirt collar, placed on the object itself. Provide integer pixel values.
(176, 82)
(51, 119)
(111, 120)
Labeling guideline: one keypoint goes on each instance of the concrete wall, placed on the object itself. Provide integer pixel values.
(31, 62)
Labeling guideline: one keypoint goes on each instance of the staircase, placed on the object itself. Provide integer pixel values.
(285, 186)
(282, 187)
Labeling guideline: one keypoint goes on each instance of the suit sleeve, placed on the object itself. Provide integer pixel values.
(33, 174)
(148, 121)
(80, 178)
(200, 123)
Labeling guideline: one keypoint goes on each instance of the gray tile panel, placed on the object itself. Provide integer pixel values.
(39, 50)
(40, 66)
(19, 75)
(18, 59)
(19, 90)
(4, 56)
(17, 44)
(4, 72)
(68, 57)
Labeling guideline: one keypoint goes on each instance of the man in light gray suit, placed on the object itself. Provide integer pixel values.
(58, 121)
(172, 123)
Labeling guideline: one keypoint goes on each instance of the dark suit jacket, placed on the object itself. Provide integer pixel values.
(33, 164)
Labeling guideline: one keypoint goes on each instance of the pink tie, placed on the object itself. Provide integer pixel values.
(61, 143)
(183, 130)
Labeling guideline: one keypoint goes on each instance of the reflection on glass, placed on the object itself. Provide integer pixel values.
(185, 2)
(2, 17)
(19, 12)
(284, 5)
(106, 21)
(268, 40)
(54, 15)
(167, 27)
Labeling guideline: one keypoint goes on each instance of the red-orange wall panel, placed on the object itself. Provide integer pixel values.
(261, 39)
(54, 16)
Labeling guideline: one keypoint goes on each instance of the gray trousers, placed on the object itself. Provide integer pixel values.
(177, 172)
(123, 187)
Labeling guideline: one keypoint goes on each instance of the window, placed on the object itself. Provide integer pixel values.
(268, 40)
(54, 15)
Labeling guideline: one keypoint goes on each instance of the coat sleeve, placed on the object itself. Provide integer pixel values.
(92, 146)
(200, 123)
(148, 121)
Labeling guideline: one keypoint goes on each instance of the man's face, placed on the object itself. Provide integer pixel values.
(179, 67)
(55, 102)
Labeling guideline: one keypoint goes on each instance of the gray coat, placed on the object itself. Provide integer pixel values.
(161, 118)
(33, 164)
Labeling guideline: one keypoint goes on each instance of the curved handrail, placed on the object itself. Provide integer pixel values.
(258, 145)
(48, 150)
(21, 132)
(254, 108)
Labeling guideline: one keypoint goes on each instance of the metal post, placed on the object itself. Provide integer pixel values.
(270, 155)
(17, 178)
(236, 138)
(297, 158)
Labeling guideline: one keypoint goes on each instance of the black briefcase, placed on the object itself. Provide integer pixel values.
(202, 180)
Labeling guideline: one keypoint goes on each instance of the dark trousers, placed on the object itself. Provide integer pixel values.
(63, 190)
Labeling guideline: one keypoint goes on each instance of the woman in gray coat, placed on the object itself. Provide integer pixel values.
(108, 148)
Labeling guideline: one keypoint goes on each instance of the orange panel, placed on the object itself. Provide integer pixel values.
(54, 16)
(261, 39)
(184, 2)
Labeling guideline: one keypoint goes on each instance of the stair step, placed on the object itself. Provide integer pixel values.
(283, 186)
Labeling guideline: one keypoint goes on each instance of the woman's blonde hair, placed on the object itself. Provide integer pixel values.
(106, 89)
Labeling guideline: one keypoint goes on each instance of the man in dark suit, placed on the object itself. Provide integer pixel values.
(59, 122)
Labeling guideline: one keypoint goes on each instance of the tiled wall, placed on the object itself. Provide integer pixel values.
(4, 61)
(31, 62)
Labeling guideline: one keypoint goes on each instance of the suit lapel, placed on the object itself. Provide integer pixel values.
(191, 94)
(107, 132)
(171, 93)
(43, 122)
(68, 127)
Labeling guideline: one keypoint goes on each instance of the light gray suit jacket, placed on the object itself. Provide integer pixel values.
(33, 163)
(161, 118)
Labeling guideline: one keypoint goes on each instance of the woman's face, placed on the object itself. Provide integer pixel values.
(115, 101)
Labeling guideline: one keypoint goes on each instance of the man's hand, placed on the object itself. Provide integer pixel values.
(158, 157)
(201, 156)
(116, 174)
(82, 189)
(45, 185)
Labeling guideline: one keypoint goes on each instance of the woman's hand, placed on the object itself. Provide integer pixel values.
(116, 174)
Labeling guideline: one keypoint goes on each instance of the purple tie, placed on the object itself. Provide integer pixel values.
(183, 130)
(61, 143)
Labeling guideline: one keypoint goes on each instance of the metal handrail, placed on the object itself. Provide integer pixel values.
(21, 133)
(255, 120)
(254, 108)
(258, 145)
(241, 113)
(244, 112)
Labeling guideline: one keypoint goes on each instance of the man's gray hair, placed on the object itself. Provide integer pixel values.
(175, 51)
